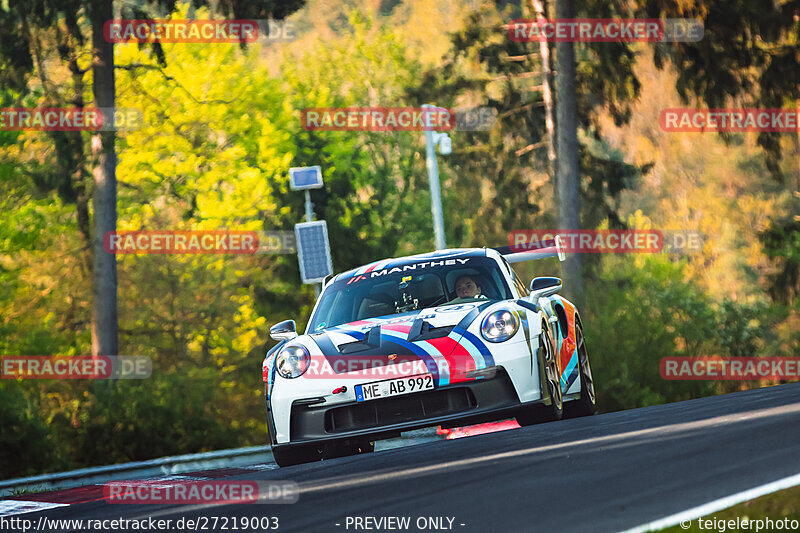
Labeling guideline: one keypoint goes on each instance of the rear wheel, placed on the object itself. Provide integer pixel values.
(586, 405)
(546, 413)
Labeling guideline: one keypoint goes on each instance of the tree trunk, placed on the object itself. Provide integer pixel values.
(77, 159)
(567, 180)
(104, 312)
(540, 8)
(797, 152)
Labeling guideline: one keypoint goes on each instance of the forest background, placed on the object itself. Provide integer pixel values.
(221, 129)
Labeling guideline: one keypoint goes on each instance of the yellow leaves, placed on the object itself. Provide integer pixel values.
(244, 342)
(216, 135)
(194, 345)
(642, 151)
(638, 220)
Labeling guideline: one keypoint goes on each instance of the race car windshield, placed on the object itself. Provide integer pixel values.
(409, 287)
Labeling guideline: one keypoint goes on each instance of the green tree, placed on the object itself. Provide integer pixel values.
(748, 56)
(654, 313)
(27, 442)
(78, 28)
(375, 198)
(501, 175)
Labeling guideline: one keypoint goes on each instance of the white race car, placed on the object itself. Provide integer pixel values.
(446, 338)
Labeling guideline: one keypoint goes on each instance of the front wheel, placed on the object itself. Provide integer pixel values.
(586, 405)
(554, 411)
(295, 455)
(348, 447)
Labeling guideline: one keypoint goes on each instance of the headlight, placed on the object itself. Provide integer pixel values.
(292, 361)
(499, 326)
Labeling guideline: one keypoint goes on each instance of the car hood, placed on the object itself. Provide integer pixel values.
(436, 336)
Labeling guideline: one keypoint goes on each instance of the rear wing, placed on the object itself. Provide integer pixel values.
(517, 253)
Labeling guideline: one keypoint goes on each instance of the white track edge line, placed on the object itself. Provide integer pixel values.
(717, 505)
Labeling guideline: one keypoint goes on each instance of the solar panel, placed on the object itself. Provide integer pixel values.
(313, 251)
(301, 178)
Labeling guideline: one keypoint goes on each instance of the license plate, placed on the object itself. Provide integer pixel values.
(393, 387)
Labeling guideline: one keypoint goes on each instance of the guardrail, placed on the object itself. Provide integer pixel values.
(176, 465)
(163, 466)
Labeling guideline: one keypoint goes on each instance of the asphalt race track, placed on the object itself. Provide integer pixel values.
(609, 472)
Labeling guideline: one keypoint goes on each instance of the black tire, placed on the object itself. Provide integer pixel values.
(367, 446)
(586, 405)
(347, 448)
(295, 455)
(289, 455)
(555, 410)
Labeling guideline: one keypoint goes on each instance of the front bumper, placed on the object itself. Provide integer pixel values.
(453, 405)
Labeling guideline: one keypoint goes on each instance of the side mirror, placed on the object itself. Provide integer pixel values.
(283, 331)
(544, 286)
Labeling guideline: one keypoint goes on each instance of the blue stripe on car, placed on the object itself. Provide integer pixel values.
(394, 337)
(488, 360)
(570, 372)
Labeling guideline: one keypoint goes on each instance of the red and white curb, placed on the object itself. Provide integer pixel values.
(30, 503)
(12, 507)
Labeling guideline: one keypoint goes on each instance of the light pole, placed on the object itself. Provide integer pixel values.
(432, 138)
(310, 218)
